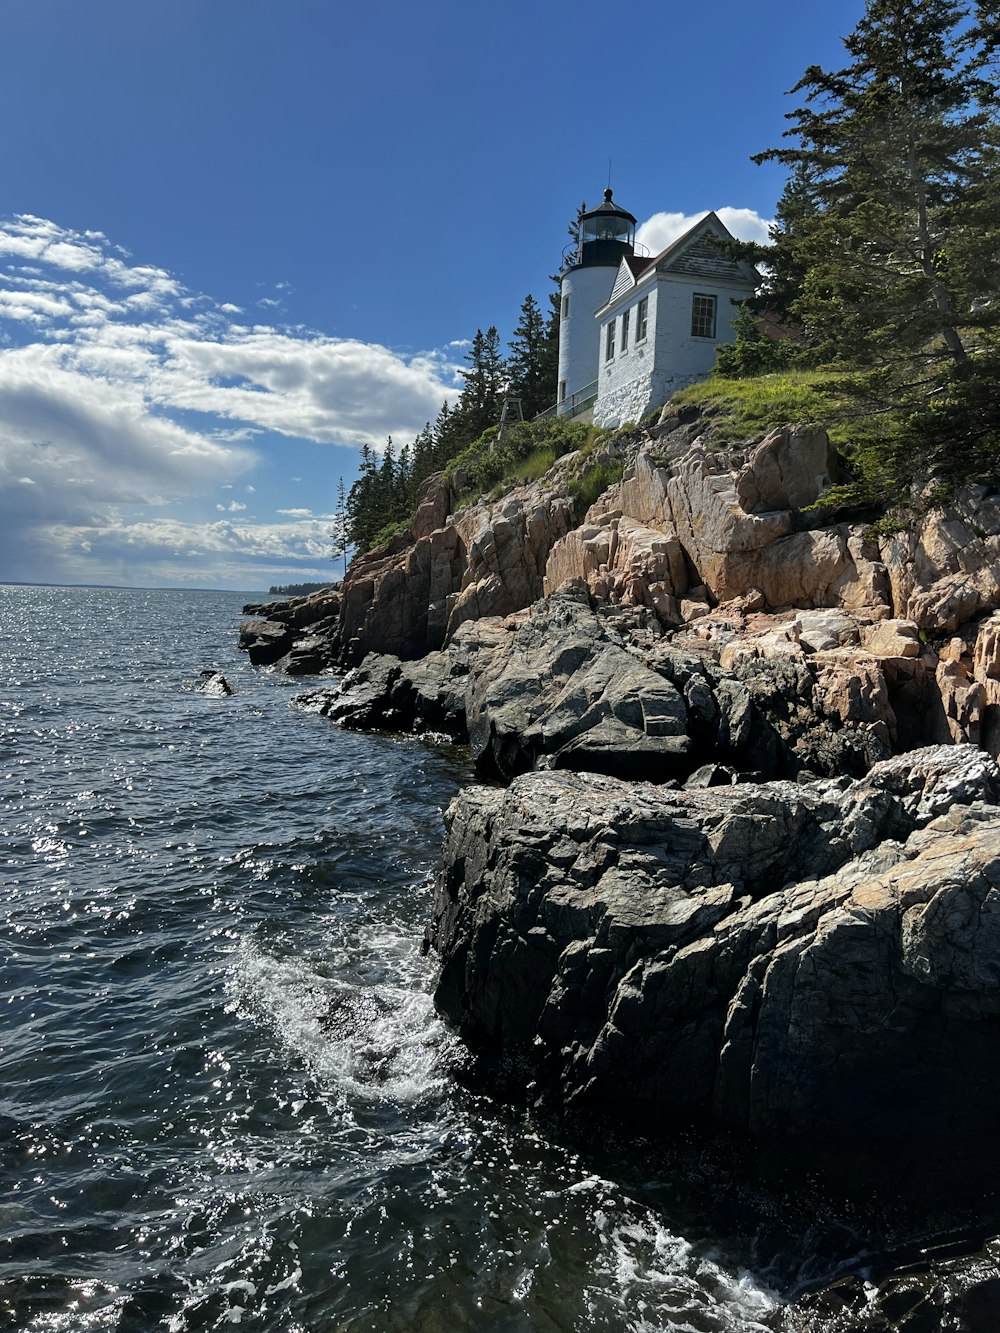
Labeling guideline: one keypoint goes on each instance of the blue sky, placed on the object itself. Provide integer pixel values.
(239, 238)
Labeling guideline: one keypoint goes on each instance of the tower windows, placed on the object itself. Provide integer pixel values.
(565, 306)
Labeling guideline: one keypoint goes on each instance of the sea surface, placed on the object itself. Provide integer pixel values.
(225, 1097)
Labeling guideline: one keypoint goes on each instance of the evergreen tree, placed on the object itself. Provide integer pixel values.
(485, 385)
(885, 227)
(339, 533)
(528, 363)
(888, 252)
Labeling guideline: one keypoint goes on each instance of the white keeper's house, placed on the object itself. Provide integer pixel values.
(634, 329)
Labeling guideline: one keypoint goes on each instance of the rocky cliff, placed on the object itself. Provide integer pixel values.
(744, 875)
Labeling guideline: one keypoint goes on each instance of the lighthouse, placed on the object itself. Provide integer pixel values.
(606, 234)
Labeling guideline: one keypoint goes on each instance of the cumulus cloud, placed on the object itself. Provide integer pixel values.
(662, 229)
(250, 556)
(118, 387)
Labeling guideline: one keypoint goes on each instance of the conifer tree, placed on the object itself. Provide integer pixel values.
(884, 222)
(485, 383)
(528, 363)
(339, 533)
(893, 236)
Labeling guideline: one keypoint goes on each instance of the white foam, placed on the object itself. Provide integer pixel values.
(367, 1024)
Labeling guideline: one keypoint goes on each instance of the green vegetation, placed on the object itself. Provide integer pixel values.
(295, 589)
(464, 436)
(743, 408)
(886, 255)
(520, 455)
(594, 482)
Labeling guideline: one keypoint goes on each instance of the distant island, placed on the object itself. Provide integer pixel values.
(295, 589)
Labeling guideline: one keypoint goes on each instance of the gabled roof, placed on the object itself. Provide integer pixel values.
(710, 222)
(635, 269)
(637, 264)
(630, 270)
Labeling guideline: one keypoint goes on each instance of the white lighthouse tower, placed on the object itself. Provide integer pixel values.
(606, 233)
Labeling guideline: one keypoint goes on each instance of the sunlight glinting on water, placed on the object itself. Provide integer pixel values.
(227, 1099)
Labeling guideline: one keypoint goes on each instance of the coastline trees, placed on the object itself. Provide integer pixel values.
(886, 249)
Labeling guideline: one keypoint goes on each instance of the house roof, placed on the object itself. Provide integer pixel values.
(637, 264)
(634, 269)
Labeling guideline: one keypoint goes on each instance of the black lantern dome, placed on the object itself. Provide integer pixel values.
(606, 233)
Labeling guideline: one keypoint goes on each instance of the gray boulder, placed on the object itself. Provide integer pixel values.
(810, 967)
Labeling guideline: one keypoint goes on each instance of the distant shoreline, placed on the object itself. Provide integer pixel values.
(125, 587)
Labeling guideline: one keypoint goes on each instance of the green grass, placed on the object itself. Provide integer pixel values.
(594, 482)
(743, 408)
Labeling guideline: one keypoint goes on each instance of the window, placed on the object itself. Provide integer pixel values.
(625, 319)
(565, 308)
(609, 346)
(703, 316)
(562, 391)
(641, 319)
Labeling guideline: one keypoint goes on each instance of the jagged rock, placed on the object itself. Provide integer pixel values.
(265, 641)
(803, 965)
(300, 612)
(790, 469)
(891, 638)
(214, 684)
(819, 630)
(410, 596)
(947, 569)
(568, 692)
(294, 634)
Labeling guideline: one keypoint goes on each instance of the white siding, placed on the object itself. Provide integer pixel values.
(646, 375)
(588, 289)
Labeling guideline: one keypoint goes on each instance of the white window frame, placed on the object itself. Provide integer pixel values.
(642, 320)
(609, 342)
(625, 321)
(705, 317)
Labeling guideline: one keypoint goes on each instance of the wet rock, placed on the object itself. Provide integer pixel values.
(806, 967)
(266, 641)
(214, 684)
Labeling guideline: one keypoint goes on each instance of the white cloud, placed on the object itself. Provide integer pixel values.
(166, 550)
(659, 231)
(234, 507)
(119, 387)
(296, 513)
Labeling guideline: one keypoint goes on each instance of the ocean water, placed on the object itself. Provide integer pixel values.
(225, 1097)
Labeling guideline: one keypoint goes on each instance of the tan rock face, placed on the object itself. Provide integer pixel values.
(707, 539)
(851, 686)
(788, 470)
(948, 568)
(891, 638)
(410, 596)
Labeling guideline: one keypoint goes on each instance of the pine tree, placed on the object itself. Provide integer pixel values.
(485, 384)
(891, 235)
(528, 363)
(889, 160)
(339, 533)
